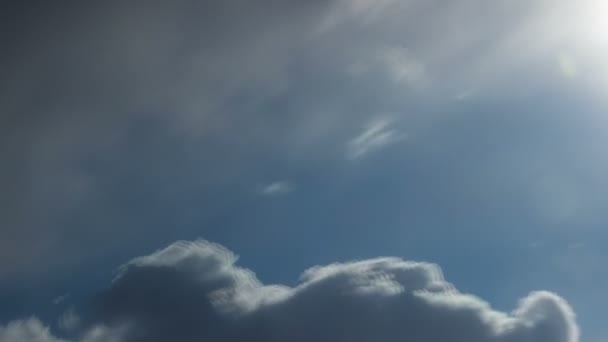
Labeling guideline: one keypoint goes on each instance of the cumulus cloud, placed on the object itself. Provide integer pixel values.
(375, 136)
(194, 291)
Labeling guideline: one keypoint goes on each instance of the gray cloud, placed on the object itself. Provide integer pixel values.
(193, 291)
(93, 96)
(119, 103)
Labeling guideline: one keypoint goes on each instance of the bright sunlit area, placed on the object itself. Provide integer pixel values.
(287, 170)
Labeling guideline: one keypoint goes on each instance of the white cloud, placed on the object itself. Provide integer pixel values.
(193, 291)
(385, 299)
(104, 334)
(377, 135)
(30, 330)
(277, 188)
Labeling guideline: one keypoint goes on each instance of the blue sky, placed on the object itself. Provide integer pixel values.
(469, 134)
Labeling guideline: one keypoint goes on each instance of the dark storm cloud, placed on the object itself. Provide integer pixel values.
(193, 291)
(95, 94)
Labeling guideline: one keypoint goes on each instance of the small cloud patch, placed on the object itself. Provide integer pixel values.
(277, 188)
(377, 135)
(195, 291)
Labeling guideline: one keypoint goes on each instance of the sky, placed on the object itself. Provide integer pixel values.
(325, 170)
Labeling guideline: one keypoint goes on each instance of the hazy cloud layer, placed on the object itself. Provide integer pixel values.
(193, 291)
(100, 101)
(31, 330)
(98, 98)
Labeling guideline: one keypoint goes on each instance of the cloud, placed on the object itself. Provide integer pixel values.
(193, 291)
(277, 188)
(31, 330)
(402, 67)
(69, 320)
(145, 79)
(168, 86)
(567, 66)
(377, 135)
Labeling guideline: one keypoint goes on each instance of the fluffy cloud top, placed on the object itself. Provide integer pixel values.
(194, 291)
